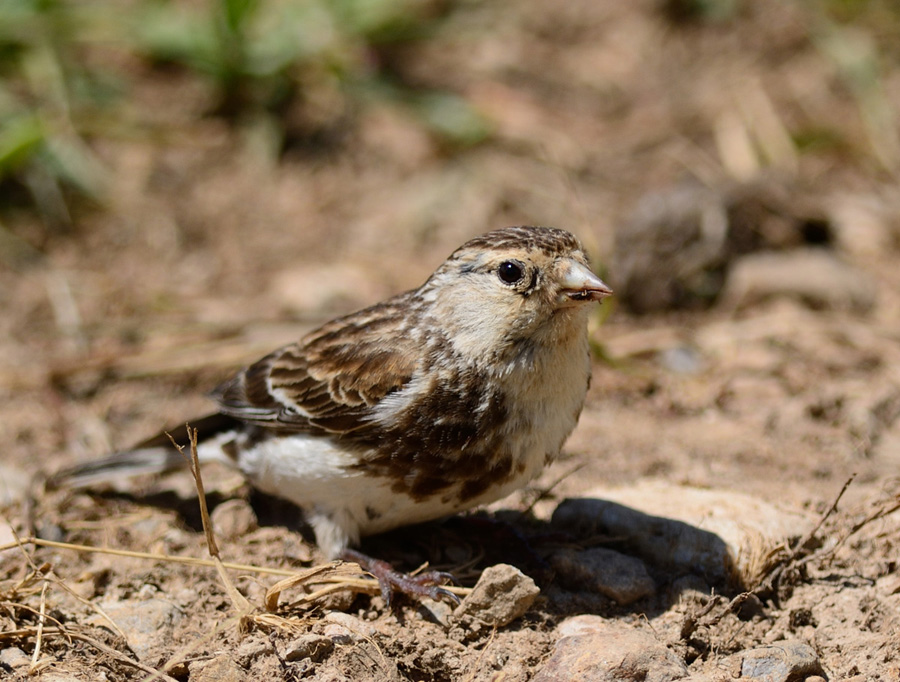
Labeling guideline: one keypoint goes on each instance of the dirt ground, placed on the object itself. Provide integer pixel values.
(606, 116)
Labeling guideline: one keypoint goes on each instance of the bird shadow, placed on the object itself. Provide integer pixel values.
(677, 556)
(668, 556)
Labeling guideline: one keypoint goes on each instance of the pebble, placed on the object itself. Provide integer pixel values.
(312, 646)
(342, 628)
(787, 660)
(581, 625)
(146, 624)
(220, 669)
(251, 648)
(233, 519)
(722, 535)
(8, 537)
(502, 594)
(814, 276)
(14, 657)
(609, 651)
(438, 612)
(622, 578)
(13, 485)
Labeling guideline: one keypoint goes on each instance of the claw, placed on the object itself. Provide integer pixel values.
(391, 581)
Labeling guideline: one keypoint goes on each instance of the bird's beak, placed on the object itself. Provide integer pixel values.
(578, 283)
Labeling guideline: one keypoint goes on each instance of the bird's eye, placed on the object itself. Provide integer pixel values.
(510, 271)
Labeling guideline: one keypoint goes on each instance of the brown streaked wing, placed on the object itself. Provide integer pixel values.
(331, 380)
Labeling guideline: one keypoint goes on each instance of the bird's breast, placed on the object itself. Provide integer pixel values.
(466, 433)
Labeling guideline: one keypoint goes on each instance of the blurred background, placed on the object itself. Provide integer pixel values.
(186, 185)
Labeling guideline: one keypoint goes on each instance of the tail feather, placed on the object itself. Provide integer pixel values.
(118, 465)
(155, 455)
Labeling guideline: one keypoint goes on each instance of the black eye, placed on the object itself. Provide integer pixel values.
(510, 271)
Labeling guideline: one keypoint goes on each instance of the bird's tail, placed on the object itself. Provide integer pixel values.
(153, 456)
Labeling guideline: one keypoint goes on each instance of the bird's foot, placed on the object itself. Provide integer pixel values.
(391, 581)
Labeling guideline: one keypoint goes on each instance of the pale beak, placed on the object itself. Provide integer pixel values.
(578, 283)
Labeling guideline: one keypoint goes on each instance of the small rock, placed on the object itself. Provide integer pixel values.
(502, 594)
(436, 611)
(724, 535)
(13, 485)
(233, 519)
(889, 584)
(681, 359)
(147, 591)
(338, 634)
(690, 588)
(814, 276)
(312, 646)
(252, 648)
(14, 657)
(342, 628)
(8, 537)
(219, 669)
(787, 660)
(146, 624)
(623, 579)
(865, 224)
(610, 652)
(581, 625)
(50, 531)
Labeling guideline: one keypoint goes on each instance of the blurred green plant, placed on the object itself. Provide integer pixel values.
(290, 68)
(701, 11)
(860, 37)
(304, 62)
(45, 96)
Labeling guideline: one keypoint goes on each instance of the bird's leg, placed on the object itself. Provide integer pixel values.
(392, 581)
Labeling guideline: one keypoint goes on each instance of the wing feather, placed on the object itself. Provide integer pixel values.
(332, 379)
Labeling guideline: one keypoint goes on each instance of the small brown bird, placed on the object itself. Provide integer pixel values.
(435, 401)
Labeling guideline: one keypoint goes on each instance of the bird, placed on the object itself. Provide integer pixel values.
(440, 399)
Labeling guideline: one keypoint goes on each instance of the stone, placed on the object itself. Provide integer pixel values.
(342, 628)
(814, 276)
(311, 646)
(438, 612)
(722, 535)
(609, 651)
(13, 485)
(780, 662)
(585, 624)
(502, 594)
(251, 648)
(146, 624)
(622, 578)
(233, 519)
(14, 657)
(8, 538)
(220, 669)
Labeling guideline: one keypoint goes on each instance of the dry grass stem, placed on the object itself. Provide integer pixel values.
(240, 603)
(365, 585)
(39, 636)
(70, 634)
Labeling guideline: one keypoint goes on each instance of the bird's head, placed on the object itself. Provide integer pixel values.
(513, 284)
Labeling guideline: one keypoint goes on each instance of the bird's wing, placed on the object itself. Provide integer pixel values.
(332, 379)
